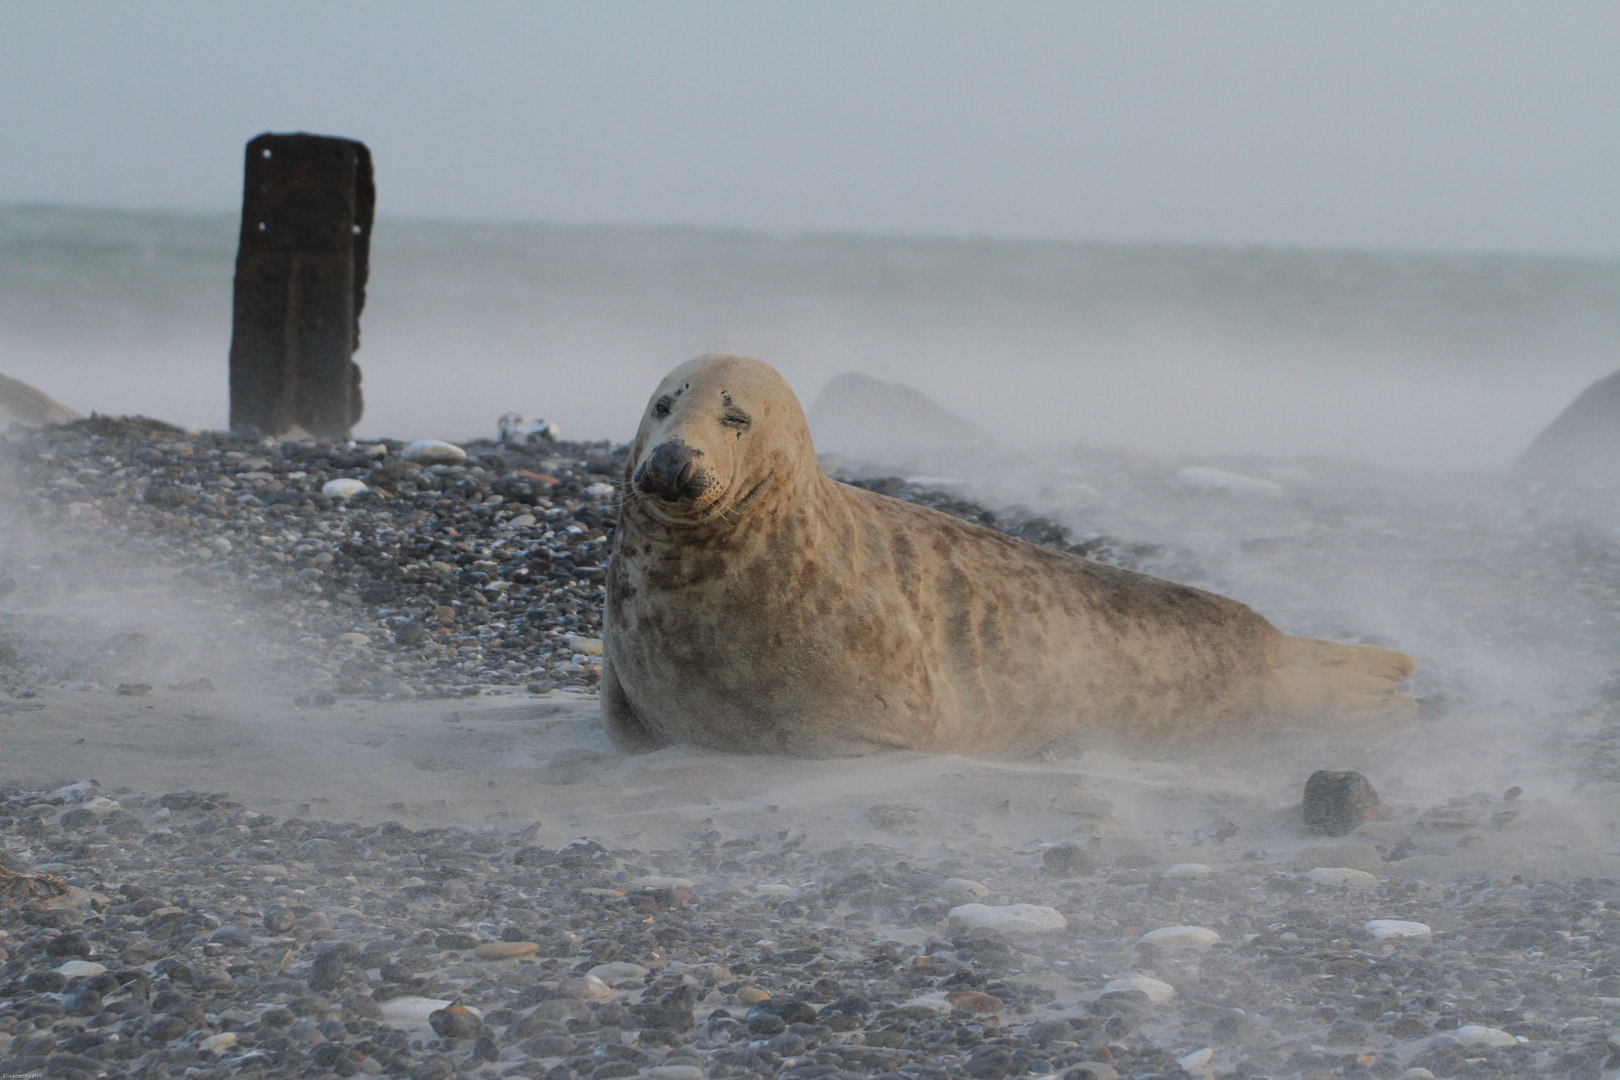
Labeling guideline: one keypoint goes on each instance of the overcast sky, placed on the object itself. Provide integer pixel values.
(1418, 125)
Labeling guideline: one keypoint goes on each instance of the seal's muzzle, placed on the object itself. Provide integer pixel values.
(671, 473)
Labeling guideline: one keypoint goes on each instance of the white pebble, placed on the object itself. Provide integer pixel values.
(1175, 938)
(715, 973)
(434, 452)
(1196, 1060)
(600, 490)
(1416, 1073)
(1342, 876)
(967, 885)
(75, 968)
(1480, 1035)
(618, 971)
(1187, 870)
(675, 1072)
(587, 988)
(1382, 928)
(775, 889)
(346, 487)
(1009, 918)
(587, 646)
(414, 1010)
(1156, 991)
(217, 1044)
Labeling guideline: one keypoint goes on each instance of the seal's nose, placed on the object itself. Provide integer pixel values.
(671, 473)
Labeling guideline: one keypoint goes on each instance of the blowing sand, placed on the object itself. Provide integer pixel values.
(830, 883)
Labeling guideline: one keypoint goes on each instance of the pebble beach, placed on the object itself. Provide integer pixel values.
(306, 767)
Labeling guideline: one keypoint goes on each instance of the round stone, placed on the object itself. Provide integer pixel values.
(587, 988)
(1180, 938)
(1382, 928)
(1008, 918)
(343, 488)
(618, 971)
(1340, 876)
(434, 452)
(1187, 870)
(506, 950)
(1156, 991)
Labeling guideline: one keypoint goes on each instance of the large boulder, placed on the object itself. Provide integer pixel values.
(1583, 443)
(859, 416)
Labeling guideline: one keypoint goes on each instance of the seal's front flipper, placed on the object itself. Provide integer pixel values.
(624, 726)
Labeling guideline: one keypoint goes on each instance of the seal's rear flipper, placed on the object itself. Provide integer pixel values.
(624, 726)
(1325, 680)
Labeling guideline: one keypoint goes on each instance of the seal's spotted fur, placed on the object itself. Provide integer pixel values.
(753, 603)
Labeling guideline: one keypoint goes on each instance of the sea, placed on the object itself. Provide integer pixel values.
(1404, 359)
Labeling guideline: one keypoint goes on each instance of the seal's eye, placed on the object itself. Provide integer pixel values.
(661, 409)
(736, 418)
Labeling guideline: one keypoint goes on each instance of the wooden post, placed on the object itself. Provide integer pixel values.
(301, 265)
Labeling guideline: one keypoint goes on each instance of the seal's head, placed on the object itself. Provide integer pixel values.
(719, 432)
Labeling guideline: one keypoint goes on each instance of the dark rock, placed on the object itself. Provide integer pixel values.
(990, 1063)
(232, 937)
(279, 921)
(1337, 803)
(1066, 860)
(1583, 441)
(68, 945)
(456, 1022)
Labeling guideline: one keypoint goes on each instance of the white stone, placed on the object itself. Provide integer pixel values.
(522, 521)
(715, 973)
(1196, 1060)
(967, 885)
(1417, 1074)
(1009, 918)
(376, 450)
(102, 805)
(345, 487)
(218, 1044)
(1207, 478)
(600, 490)
(434, 452)
(1382, 928)
(587, 988)
(653, 881)
(270, 870)
(73, 969)
(414, 1010)
(1342, 876)
(1178, 938)
(587, 646)
(775, 889)
(675, 1072)
(618, 971)
(1187, 870)
(1156, 991)
(938, 1002)
(1480, 1035)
